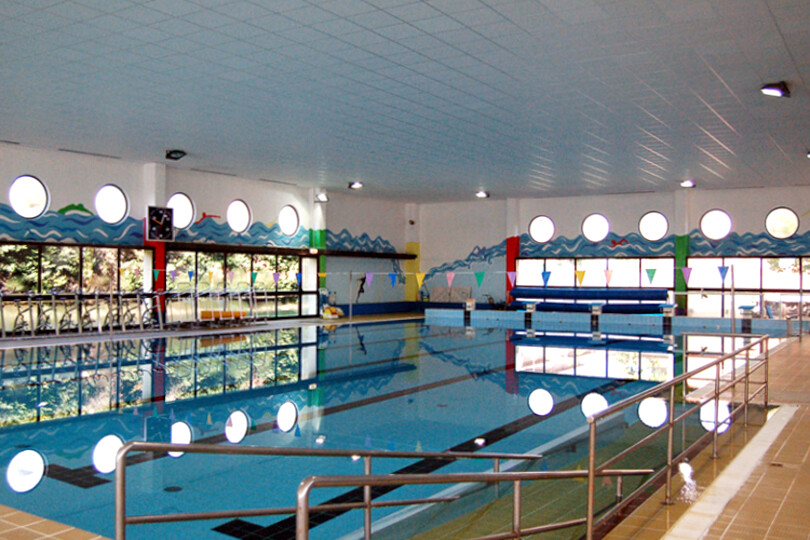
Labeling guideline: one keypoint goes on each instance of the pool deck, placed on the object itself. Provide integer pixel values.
(769, 497)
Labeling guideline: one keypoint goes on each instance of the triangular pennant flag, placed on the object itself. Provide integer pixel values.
(686, 271)
(276, 275)
(546, 277)
(230, 276)
(479, 277)
(367, 444)
(369, 278)
(253, 277)
(418, 446)
(210, 276)
(321, 274)
(580, 276)
(210, 422)
(173, 273)
(122, 270)
(650, 274)
(391, 445)
(393, 277)
(298, 278)
(137, 272)
(420, 276)
(450, 277)
(157, 273)
(135, 411)
(608, 275)
(297, 430)
(190, 275)
(723, 272)
(511, 276)
(171, 415)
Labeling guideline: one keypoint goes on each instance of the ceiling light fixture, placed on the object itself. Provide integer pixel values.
(175, 155)
(321, 197)
(777, 89)
(808, 154)
(688, 184)
(356, 185)
(481, 194)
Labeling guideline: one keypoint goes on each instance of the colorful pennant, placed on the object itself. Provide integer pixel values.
(511, 276)
(608, 275)
(253, 277)
(420, 277)
(686, 271)
(650, 274)
(580, 276)
(546, 277)
(276, 275)
(450, 277)
(369, 278)
(298, 278)
(173, 273)
(190, 275)
(479, 277)
(723, 272)
(156, 273)
(393, 277)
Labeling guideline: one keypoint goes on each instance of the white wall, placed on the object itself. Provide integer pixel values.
(358, 215)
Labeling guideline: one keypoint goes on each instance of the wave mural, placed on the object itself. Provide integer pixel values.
(748, 244)
(210, 231)
(479, 254)
(69, 227)
(629, 245)
(346, 241)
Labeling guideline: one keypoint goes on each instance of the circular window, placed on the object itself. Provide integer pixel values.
(182, 210)
(541, 402)
(653, 226)
(707, 419)
(111, 204)
(25, 471)
(653, 412)
(28, 196)
(287, 416)
(715, 224)
(288, 220)
(236, 427)
(238, 216)
(593, 403)
(782, 223)
(595, 227)
(104, 453)
(541, 229)
(181, 434)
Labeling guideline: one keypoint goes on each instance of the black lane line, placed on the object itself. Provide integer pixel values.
(86, 477)
(285, 528)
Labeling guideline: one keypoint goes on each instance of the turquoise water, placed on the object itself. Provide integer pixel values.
(404, 386)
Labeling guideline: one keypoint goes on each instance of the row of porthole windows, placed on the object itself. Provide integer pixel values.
(27, 468)
(30, 198)
(781, 223)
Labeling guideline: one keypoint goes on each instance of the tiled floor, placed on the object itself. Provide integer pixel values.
(17, 525)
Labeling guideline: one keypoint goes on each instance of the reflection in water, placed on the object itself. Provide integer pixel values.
(689, 492)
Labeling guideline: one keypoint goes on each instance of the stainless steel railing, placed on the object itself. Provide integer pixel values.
(720, 386)
(122, 519)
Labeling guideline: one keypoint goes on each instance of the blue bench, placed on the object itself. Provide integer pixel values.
(582, 299)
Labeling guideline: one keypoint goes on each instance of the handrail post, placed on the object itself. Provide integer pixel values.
(670, 442)
(767, 367)
(619, 488)
(121, 493)
(716, 410)
(516, 508)
(591, 479)
(496, 468)
(302, 509)
(367, 500)
(747, 376)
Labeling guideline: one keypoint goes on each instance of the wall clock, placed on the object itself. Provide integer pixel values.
(159, 225)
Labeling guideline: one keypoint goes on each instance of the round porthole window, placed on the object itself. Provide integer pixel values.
(541, 229)
(653, 226)
(653, 412)
(104, 453)
(592, 404)
(182, 210)
(28, 196)
(111, 204)
(595, 227)
(181, 434)
(25, 471)
(288, 220)
(541, 402)
(782, 223)
(236, 427)
(715, 224)
(287, 416)
(238, 216)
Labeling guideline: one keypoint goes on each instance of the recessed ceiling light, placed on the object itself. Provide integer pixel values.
(356, 185)
(776, 89)
(481, 194)
(688, 184)
(808, 155)
(174, 155)
(321, 197)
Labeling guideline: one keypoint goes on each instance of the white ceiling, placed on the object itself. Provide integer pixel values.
(421, 100)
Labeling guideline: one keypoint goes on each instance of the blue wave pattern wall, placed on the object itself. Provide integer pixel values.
(478, 256)
(629, 245)
(346, 241)
(748, 244)
(208, 230)
(74, 226)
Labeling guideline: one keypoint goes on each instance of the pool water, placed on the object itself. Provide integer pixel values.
(402, 386)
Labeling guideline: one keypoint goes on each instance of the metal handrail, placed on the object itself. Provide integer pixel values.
(669, 426)
(368, 481)
(122, 520)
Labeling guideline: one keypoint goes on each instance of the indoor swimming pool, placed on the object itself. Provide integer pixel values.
(408, 386)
